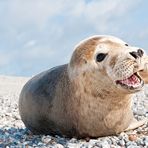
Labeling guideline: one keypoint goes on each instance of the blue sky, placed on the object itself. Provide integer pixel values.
(36, 35)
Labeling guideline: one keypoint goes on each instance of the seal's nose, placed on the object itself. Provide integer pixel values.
(137, 54)
(140, 52)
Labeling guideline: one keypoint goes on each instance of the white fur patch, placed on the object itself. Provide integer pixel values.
(112, 39)
(104, 38)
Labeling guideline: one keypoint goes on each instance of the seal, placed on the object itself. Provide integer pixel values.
(91, 96)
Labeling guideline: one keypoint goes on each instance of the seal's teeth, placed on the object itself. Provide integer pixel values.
(133, 81)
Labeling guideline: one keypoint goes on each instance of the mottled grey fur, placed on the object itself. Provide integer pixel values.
(37, 111)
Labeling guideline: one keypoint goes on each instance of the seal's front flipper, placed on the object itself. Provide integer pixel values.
(144, 73)
(135, 124)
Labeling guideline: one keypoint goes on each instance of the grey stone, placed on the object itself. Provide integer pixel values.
(122, 142)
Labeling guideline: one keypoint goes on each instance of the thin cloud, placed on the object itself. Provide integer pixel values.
(30, 44)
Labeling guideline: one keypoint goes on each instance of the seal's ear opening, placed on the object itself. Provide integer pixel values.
(100, 57)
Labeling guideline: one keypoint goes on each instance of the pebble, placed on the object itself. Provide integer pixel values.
(105, 144)
(131, 143)
(146, 141)
(58, 146)
(46, 139)
(132, 137)
(122, 142)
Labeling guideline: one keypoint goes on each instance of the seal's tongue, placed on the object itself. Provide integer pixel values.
(132, 80)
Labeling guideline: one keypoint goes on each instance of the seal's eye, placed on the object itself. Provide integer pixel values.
(126, 44)
(101, 56)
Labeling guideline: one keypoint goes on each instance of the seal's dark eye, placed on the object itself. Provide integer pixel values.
(101, 56)
(126, 44)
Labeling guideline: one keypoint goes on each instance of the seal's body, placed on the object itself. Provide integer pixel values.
(47, 110)
(90, 96)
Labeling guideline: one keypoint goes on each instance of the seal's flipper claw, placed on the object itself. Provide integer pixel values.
(135, 124)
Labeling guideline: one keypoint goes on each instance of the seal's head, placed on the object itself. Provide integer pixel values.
(108, 60)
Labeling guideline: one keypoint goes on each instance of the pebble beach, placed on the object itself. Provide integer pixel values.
(13, 133)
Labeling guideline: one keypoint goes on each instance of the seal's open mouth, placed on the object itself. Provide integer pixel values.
(134, 82)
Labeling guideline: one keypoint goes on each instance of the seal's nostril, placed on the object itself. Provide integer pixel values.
(134, 54)
(140, 52)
